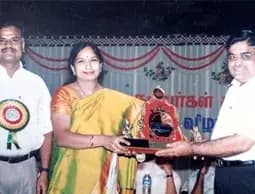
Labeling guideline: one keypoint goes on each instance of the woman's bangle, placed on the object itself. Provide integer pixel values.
(169, 175)
(91, 141)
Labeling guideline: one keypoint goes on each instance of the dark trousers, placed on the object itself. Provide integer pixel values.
(235, 180)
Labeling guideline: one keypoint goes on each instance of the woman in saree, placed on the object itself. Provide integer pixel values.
(90, 157)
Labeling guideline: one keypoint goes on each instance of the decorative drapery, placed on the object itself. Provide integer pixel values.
(190, 68)
(127, 64)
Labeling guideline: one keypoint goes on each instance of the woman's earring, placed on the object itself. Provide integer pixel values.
(73, 71)
(100, 67)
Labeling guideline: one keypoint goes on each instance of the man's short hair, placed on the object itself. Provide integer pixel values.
(16, 25)
(244, 35)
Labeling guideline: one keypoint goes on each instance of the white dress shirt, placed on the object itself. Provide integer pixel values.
(237, 116)
(31, 90)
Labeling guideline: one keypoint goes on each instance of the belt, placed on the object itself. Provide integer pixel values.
(232, 163)
(16, 159)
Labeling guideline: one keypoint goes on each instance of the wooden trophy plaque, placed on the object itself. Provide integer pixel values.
(158, 125)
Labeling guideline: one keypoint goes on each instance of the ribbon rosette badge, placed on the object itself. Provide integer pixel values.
(14, 116)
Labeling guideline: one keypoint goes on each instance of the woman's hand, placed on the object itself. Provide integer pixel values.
(116, 144)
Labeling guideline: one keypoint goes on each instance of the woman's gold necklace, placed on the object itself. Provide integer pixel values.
(83, 93)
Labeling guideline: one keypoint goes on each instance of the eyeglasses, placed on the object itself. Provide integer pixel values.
(245, 56)
(12, 41)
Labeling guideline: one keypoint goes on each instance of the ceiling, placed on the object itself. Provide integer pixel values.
(133, 17)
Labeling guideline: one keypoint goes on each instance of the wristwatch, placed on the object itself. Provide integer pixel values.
(44, 169)
(169, 175)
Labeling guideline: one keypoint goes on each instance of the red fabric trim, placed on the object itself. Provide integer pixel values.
(193, 59)
(129, 60)
(192, 68)
(46, 58)
(133, 67)
(43, 65)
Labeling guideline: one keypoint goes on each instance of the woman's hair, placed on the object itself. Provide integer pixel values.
(244, 35)
(81, 45)
(74, 52)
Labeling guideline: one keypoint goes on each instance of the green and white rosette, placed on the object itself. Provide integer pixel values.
(14, 116)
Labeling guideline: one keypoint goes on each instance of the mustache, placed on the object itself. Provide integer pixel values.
(7, 49)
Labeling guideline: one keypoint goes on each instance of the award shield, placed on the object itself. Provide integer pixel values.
(158, 125)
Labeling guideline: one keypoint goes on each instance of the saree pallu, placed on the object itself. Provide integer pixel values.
(85, 171)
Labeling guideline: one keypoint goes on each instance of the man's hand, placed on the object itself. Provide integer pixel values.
(42, 183)
(176, 149)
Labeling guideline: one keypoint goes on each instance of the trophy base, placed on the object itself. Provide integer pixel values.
(144, 146)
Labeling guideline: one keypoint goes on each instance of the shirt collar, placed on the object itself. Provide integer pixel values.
(4, 72)
(237, 83)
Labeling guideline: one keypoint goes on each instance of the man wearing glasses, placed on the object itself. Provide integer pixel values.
(25, 125)
(233, 137)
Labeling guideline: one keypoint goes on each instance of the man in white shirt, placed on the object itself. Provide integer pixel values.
(25, 125)
(233, 137)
